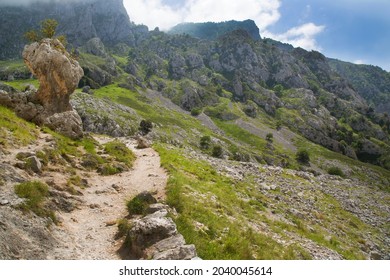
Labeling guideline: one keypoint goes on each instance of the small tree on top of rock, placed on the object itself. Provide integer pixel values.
(48, 30)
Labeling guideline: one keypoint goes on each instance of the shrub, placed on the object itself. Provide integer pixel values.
(145, 127)
(196, 112)
(269, 137)
(303, 156)
(334, 170)
(217, 151)
(139, 204)
(205, 142)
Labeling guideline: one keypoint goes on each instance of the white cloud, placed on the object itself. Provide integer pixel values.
(265, 13)
(359, 61)
(300, 36)
(155, 13)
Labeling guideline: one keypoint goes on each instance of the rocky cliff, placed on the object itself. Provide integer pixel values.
(79, 21)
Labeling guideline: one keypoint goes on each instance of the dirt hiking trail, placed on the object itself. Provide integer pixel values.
(88, 232)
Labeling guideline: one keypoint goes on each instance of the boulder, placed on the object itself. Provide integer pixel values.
(58, 73)
(33, 164)
(66, 123)
(143, 143)
(155, 237)
(148, 231)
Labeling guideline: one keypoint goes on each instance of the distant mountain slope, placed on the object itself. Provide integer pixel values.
(212, 30)
(371, 82)
(80, 22)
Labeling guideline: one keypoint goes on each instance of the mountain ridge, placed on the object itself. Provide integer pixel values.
(213, 30)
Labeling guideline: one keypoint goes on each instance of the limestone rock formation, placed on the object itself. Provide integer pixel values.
(67, 123)
(58, 73)
(155, 237)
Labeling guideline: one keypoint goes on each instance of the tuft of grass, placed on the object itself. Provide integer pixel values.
(123, 227)
(120, 152)
(138, 205)
(35, 194)
(108, 169)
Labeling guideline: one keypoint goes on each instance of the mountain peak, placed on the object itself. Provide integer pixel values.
(213, 30)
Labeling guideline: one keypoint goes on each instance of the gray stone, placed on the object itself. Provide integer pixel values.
(33, 164)
(4, 202)
(143, 143)
(148, 231)
(374, 255)
(66, 123)
(155, 208)
(185, 252)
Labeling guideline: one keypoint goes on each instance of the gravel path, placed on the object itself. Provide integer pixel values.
(89, 231)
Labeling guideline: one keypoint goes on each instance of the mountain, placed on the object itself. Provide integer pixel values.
(79, 21)
(371, 82)
(212, 30)
(272, 152)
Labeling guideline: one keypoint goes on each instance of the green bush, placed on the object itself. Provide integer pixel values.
(334, 170)
(303, 156)
(196, 112)
(269, 137)
(205, 142)
(217, 151)
(145, 127)
(136, 206)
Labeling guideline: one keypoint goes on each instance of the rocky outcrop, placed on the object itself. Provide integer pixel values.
(57, 72)
(103, 116)
(80, 21)
(155, 237)
(59, 75)
(67, 123)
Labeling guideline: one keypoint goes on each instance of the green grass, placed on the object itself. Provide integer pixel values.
(242, 135)
(120, 152)
(203, 197)
(21, 84)
(359, 169)
(35, 194)
(14, 130)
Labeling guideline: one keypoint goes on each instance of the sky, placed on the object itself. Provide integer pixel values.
(357, 31)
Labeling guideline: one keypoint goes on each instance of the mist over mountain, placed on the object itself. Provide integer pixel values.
(29, 2)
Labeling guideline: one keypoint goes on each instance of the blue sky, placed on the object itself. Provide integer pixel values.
(352, 30)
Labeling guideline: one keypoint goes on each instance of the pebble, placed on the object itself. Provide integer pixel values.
(4, 202)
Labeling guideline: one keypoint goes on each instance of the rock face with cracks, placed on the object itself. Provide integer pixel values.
(58, 73)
